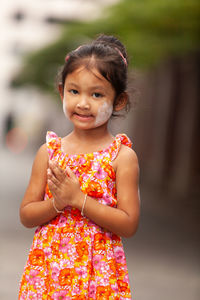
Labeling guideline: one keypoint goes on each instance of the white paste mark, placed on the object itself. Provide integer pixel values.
(64, 107)
(104, 113)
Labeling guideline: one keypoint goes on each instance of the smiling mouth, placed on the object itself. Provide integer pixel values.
(84, 116)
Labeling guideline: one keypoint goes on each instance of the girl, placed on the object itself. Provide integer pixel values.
(89, 183)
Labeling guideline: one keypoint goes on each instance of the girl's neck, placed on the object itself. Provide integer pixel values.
(87, 140)
(89, 136)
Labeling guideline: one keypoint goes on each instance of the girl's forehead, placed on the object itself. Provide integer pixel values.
(85, 72)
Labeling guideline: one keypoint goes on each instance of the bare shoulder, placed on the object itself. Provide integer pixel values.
(127, 153)
(42, 153)
(43, 149)
(41, 158)
(127, 157)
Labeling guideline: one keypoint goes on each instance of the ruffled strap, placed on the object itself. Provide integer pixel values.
(53, 143)
(120, 139)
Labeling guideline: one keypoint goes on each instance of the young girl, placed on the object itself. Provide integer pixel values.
(83, 190)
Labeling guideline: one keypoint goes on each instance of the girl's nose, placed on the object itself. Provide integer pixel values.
(83, 103)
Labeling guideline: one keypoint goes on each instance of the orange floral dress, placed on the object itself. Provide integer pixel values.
(72, 257)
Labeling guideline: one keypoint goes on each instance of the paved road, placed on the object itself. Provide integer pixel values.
(162, 257)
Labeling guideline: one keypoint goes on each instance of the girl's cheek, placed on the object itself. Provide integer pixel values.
(65, 108)
(104, 113)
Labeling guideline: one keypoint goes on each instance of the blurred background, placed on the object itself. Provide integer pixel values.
(162, 39)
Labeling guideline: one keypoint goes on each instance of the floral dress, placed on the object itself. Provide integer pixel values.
(72, 257)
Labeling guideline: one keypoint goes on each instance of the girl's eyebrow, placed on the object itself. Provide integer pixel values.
(72, 84)
(97, 87)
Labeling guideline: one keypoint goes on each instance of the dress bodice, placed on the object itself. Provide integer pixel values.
(94, 170)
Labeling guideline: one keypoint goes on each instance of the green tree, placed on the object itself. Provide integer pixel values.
(151, 29)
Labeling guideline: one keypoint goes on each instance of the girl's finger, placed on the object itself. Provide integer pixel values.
(52, 178)
(69, 172)
(51, 186)
(57, 171)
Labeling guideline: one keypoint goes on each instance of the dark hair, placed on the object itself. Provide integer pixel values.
(108, 55)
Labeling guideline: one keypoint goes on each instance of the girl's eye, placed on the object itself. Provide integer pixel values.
(97, 95)
(74, 92)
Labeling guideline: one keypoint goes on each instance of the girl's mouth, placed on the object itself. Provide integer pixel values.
(83, 116)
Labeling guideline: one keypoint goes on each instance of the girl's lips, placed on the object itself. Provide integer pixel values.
(83, 117)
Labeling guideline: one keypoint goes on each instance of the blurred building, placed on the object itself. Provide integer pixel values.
(166, 127)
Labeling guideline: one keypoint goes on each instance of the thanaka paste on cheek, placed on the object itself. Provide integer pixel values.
(104, 113)
(64, 107)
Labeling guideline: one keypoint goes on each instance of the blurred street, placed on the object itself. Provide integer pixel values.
(162, 257)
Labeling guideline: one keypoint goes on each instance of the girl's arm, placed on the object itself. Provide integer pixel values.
(33, 210)
(122, 220)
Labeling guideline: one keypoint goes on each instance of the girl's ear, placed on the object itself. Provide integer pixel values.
(60, 89)
(121, 101)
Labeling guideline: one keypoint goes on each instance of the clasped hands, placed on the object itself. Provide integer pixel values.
(64, 186)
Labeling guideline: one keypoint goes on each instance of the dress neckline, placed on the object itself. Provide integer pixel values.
(105, 150)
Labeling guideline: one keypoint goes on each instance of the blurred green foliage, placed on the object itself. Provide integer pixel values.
(151, 30)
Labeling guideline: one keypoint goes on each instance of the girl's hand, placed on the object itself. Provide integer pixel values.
(64, 186)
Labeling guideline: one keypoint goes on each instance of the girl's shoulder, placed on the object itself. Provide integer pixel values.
(126, 160)
(125, 155)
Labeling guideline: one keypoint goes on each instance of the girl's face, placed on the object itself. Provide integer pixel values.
(87, 98)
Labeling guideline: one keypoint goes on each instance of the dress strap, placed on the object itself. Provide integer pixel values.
(53, 143)
(120, 139)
